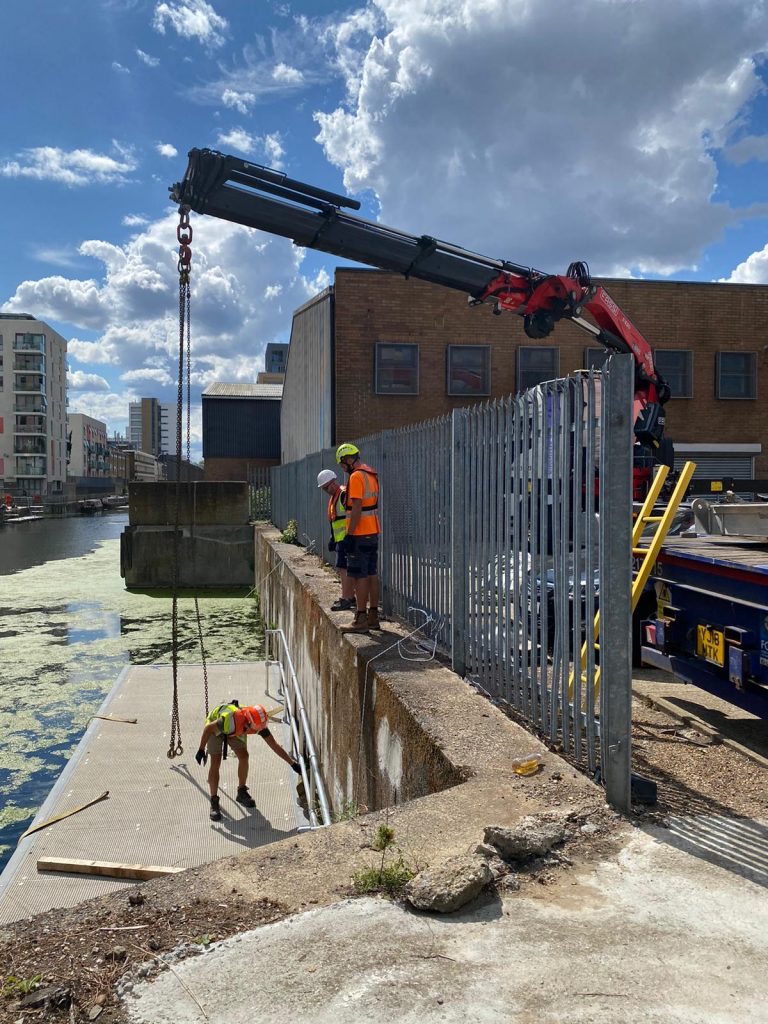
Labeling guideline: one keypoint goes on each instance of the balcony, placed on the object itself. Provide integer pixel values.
(31, 425)
(27, 363)
(29, 445)
(30, 465)
(31, 384)
(31, 404)
(29, 343)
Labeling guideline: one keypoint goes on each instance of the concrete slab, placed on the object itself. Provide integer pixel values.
(656, 935)
(157, 811)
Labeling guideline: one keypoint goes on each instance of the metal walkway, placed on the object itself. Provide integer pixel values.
(157, 810)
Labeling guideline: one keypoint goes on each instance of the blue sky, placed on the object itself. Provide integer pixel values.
(632, 134)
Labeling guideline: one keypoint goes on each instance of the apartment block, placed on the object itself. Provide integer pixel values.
(152, 426)
(88, 448)
(33, 407)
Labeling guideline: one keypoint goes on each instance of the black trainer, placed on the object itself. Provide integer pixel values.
(343, 604)
(215, 814)
(244, 797)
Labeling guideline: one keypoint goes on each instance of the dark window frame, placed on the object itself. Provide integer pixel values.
(688, 353)
(555, 349)
(449, 352)
(589, 351)
(380, 346)
(750, 377)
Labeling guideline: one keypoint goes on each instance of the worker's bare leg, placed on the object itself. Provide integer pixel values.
(213, 774)
(347, 585)
(373, 593)
(242, 765)
(362, 591)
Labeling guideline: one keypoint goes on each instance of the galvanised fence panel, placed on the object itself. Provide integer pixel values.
(508, 523)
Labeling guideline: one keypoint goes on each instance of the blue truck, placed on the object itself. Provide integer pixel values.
(705, 619)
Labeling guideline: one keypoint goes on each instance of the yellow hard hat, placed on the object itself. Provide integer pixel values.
(346, 449)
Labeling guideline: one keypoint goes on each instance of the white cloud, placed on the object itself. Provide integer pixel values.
(79, 381)
(273, 150)
(754, 269)
(166, 149)
(547, 145)
(156, 374)
(145, 58)
(240, 101)
(134, 220)
(58, 257)
(751, 147)
(286, 74)
(239, 139)
(245, 287)
(191, 19)
(73, 167)
(119, 68)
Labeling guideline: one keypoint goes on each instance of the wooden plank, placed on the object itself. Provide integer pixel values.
(101, 867)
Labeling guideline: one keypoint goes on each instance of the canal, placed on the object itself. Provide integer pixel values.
(68, 627)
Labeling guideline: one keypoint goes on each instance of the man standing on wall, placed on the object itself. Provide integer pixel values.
(363, 530)
(337, 516)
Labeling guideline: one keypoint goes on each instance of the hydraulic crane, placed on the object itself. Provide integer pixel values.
(259, 197)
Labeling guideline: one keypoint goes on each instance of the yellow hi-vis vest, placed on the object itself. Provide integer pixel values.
(337, 516)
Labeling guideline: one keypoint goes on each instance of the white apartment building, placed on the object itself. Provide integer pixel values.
(88, 453)
(168, 428)
(33, 407)
(152, 426)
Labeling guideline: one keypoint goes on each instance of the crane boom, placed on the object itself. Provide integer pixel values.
(260, 197)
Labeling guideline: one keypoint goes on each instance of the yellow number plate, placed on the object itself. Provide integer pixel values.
(710, 644)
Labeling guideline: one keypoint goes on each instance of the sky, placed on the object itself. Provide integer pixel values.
(632, 134)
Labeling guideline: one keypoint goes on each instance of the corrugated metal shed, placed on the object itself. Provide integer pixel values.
(306, 422)
(274, 391)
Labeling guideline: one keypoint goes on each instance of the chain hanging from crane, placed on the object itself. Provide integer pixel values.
(184, 237)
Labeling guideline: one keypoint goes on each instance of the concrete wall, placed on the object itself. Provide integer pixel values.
(367, 717)
(209, 556)
(202, 503)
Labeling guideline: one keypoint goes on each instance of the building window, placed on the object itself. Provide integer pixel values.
(469, 369)
(676, 367)
(594, 358)
(397, 369)
(736, 375)
(536, 364)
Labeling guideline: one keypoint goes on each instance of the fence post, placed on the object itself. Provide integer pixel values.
(458, 544)
(616, 581)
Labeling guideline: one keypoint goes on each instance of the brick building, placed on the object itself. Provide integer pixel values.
(377, 351)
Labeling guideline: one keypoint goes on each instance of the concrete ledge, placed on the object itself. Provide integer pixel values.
(209, 556)
(201, 503)
(387, 730)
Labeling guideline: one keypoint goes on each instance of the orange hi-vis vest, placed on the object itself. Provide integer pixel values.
(237, 721)
(337, 515)
(369, 521)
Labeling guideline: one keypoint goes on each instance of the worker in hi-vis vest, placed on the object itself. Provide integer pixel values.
(337, 517)
(362, 502)
(232, 724)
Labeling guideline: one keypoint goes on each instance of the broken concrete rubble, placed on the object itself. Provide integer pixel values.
(531, 837)
(450, 885)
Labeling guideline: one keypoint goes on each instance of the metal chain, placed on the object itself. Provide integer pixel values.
(184, 237)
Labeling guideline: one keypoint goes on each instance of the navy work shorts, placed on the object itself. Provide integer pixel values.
(341, 554)
(362, 555)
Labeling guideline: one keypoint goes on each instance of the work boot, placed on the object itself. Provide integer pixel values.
(215, 814)
(244, 797)
(343, 604)
(373, 618)
(359, 624)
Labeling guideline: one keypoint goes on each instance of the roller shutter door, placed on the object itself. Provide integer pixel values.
(716, 467)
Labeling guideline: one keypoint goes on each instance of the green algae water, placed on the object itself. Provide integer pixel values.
(68, 627)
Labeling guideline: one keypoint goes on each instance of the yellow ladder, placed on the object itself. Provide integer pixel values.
(648, 555)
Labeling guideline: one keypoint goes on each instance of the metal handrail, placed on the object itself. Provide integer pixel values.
(290, 693)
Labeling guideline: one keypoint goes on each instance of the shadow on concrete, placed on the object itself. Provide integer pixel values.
(484, 908)
(739, 845)
(750, 732)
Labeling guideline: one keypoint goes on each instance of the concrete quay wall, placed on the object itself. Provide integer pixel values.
(387, 730)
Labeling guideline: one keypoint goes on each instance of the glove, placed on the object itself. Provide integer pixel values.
(331, 545)
(201, 757)
(296, 767)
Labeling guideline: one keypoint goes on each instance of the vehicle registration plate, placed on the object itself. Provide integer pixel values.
(710, 645)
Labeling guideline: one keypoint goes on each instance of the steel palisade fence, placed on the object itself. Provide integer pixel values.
(494, 524)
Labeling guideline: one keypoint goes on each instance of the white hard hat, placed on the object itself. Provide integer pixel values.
(325, 476)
